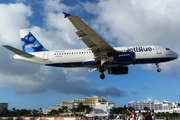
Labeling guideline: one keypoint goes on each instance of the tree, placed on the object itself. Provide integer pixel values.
(5, 112)
(88, 109)
(122, 110)
(178, 104)
(14, 109)
(81, 107)
(60, 110)
(74, 110)
(53, 113)
(40, 109)
(146, 108)
(65, 108)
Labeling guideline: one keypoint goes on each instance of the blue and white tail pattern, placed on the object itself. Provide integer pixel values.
(30, 43)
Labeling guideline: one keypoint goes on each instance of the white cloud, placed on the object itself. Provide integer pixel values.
(133, 22)
(150, 99)
(57, 34)
(21, 0)
(138, 22)
(13, 17)
(125, 22)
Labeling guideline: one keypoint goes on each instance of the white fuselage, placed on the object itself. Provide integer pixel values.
(79, 57)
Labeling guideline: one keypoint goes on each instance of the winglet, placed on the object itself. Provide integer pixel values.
(66, 14)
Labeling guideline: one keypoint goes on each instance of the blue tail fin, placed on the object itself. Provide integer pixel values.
(30, 43)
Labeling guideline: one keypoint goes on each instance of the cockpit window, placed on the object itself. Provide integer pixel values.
(167, 49)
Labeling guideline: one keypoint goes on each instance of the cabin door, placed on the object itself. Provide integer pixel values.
(158, 50)
(46, 55)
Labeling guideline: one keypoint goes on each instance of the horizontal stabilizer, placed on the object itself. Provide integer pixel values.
(19, 52)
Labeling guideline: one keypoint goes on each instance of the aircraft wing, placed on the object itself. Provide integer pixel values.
(19, 52)
(99, 47)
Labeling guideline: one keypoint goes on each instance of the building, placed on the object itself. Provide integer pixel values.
(86, 101)
(102, 109)
(2, 106)
(91, 101)
(152, 105)
(47, 110)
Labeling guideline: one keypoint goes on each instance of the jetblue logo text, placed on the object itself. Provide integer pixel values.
(139, 49)
(31, 46)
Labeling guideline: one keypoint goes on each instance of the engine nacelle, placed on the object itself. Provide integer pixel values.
(118, 71)
(122, 57)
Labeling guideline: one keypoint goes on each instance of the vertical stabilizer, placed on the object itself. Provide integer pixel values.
(29, 42)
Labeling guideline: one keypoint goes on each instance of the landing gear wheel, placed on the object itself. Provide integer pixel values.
(102, 76)
(101, 69)
(159, 70)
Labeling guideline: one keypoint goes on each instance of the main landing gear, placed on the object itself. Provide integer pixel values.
(158, 69)
(102, 76)
(101, 70)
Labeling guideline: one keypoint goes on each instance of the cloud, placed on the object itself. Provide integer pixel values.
(14, 18)
(135, 93)
(150, 99)
(61, 81)
(115, 92)
(137, 23)
(57, 33)
(155, 100)
(21, 1)
(146, 87)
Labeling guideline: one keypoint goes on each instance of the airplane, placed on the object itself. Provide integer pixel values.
(100, 56)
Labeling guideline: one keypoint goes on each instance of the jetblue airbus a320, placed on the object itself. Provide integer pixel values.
(99, 55)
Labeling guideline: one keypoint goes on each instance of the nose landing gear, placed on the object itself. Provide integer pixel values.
(158, 69)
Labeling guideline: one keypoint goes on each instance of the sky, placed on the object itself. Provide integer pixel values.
(118, 22)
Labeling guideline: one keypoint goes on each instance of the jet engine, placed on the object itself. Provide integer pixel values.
(122, 57)
(118, 71)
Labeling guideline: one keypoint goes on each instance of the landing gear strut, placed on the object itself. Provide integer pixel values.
(158, 69)
(101, 70)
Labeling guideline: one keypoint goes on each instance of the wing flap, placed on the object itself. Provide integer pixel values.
(19, 52)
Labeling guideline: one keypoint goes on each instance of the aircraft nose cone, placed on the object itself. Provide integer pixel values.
(176, 55)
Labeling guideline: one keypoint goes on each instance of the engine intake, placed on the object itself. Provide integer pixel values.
(122, 57)
(118, 71)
